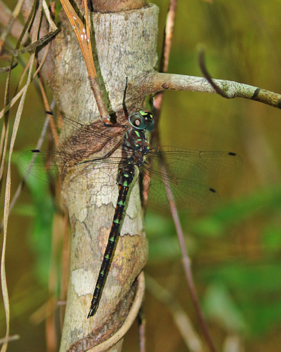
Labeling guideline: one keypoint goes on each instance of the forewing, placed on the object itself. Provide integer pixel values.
(196, 165)
(188, 174)
(90, 173)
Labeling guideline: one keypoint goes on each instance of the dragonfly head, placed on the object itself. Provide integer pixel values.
(142, 120)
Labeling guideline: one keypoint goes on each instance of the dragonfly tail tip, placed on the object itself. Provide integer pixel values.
(92, 311)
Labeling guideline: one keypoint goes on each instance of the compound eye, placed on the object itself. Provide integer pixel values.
(137, 121)
(149, 122)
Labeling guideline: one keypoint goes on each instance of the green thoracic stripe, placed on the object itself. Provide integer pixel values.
(137, 133)
(116, 221)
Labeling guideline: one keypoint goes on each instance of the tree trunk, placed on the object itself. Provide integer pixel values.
(124, 45)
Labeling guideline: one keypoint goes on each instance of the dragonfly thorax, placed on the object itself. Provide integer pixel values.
(136, 140)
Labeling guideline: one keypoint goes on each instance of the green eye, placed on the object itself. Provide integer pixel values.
(149, 121)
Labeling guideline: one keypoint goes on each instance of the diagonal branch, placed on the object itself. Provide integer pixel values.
(154, 82)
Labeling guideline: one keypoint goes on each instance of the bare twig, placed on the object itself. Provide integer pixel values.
(8, 27)
(4, 137)
(142, 330)
(207, 75)
(32, 47)
(16, 29)
(168, 37)
(157, 101)
(50, 327)
(7, 68)
(21, 185)
(169, 31)
(181, 319)
(65, 268)
(186, 262)
(8, 191)
(48, 16)
(157, 108)
(44, 311)
(38, 146)
(16, 98)
(9, 339)
(157, 82)
(84, 40)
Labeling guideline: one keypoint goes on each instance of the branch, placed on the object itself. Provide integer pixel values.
(157, 104)
(207, 75)
(158, 82)
(181, 319)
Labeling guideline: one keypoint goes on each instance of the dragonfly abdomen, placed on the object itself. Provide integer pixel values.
(125, 179)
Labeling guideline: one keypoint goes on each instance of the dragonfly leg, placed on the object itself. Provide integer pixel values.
(124, 100)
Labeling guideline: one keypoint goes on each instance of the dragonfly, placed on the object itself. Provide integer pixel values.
(93, 147)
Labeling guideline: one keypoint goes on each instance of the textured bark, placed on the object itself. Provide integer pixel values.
(125, 46)
(117, 5)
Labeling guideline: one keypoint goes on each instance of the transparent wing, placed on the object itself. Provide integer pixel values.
(94, 129)
(188, 173)
(89, 173)
(75, 154)
(195, 165)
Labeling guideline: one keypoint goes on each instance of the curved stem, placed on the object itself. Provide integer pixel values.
(157, 82)
(104, 346)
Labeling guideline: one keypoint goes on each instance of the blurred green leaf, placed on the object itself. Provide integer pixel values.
(220, 306)
(216, 224)
(158, 224)
(271, 238)
(40, 236)
(256, 290)
(25, 209)
(163, 241)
